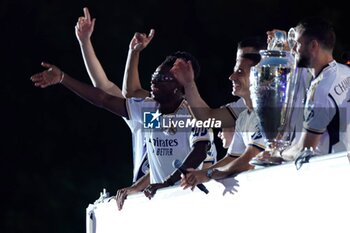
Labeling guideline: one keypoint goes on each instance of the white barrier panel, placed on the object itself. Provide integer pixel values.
(315, 198)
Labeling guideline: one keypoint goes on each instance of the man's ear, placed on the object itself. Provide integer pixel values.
(314, 44)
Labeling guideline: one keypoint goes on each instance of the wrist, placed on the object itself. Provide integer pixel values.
(84, 42)
(190, 85)
(210, 173)
(134, 51)
(169, 181)
(134, 189)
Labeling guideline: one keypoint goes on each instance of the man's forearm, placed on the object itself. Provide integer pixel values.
(142, 183)
(131, 82)
(92, 64)
(198, 106)
(201, 109)
(96, 96)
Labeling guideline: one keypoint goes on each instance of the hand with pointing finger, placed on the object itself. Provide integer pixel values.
(84, 27)
(141, 40)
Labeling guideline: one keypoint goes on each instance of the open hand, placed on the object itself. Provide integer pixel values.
(51, 76)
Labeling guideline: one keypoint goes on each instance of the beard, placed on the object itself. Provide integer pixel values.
(303, 61)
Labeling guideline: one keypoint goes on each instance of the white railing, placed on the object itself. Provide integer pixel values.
(315, 198)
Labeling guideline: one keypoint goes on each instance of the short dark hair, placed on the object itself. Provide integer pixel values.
(170, 60)
(253, 41)
(320, 29)
(255, 57)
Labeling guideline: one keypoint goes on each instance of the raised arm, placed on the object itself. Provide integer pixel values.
(83, 30)
(183, 72)
(131, 82)
(53, 75)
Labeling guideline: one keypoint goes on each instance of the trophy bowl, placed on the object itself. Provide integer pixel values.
(272, 84)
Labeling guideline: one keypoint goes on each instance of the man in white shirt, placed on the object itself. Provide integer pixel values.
(248, 140)
(167, 99)
(327, 108)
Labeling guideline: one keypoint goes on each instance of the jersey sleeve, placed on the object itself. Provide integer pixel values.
(200, 134)
(237, 146)
(211, 154)
(257, 139)
(319, 113)
(235, 108)
(135, 106)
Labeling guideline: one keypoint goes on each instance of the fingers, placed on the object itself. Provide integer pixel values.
(270, 33)
(46, 65)
(39, 80)
(184, 184)
(81, 19)
(120, 197)
(151, 33)
(149, 192)
(36, 79)
(219, 134)
(189, 180)
(183, 64)
(93, 23)
(50, 76)
(189, 65)
(182, 70)
(85, 20)
(87, 14)
(143, 37)
(140, 36)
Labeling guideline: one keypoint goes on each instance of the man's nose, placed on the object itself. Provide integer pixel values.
(232, 77)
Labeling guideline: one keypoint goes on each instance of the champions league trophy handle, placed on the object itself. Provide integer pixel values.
(278, 41)
(272, 88)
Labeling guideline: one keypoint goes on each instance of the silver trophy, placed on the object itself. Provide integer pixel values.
(273, 82)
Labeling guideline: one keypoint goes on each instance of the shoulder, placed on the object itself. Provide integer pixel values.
(242, 117)
(328, 79)
(141, 101)
(236, 106)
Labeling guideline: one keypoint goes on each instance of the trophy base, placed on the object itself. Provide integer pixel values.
(267, 158)
(271, 161)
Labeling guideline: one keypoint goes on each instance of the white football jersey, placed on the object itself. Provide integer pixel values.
(247, 133)
(327, 108)
(167, 139)
(236, 107)
(140, 162)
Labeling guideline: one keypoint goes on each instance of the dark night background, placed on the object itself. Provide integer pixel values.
(58, 151)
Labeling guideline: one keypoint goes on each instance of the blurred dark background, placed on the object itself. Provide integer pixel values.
(58, 151)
